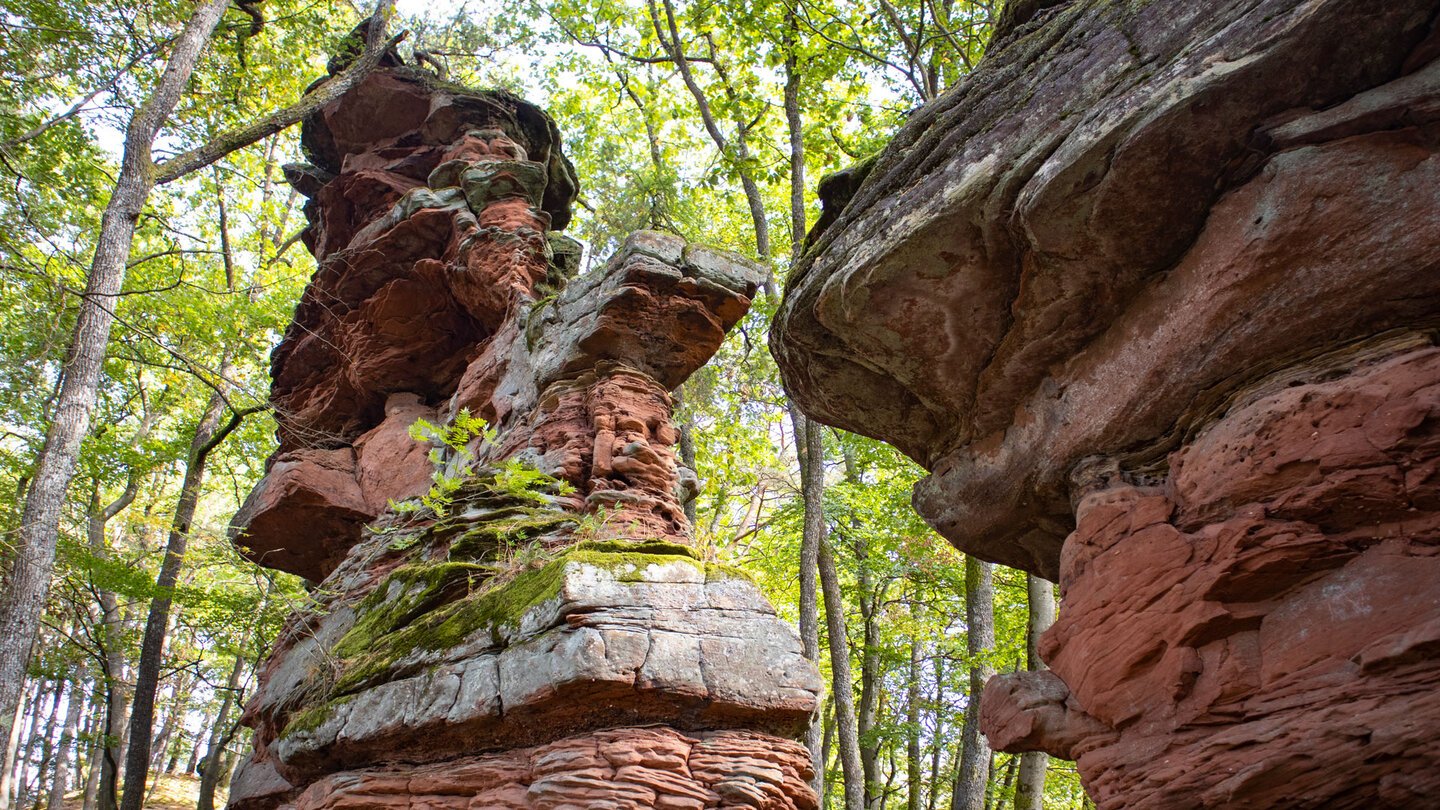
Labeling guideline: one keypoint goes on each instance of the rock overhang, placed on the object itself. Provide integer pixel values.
(973, 302)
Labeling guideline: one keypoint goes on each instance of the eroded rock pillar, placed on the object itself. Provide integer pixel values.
(507, 616)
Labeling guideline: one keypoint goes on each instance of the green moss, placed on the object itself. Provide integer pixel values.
(435, 606)
(512, 526)
(312, 718)
(715, 572)
(422, 587)
(650, 547)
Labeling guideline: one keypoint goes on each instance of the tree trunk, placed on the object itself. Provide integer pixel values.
(48, 743)
(912, 713)
(27, 584)
(178, 701)
(207, 723)
(223, 729)
(61, 781)
(996, 793)
(208, 435)
(27, 581)
(1030, 789)
(868, 711)
(20, 775)
(808, 435)
(220, 735)
(935, 750)
(842, 690)
(974, 770)
(99, 708)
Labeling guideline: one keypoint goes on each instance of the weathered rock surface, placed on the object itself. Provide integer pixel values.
(1153, 295)
(506, 614)
(632, 770)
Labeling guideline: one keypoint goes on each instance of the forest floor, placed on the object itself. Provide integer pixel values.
(171, 792)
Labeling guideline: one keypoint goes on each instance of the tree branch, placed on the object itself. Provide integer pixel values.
(375, 47)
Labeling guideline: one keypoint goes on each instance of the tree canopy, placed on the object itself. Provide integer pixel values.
(713, 119)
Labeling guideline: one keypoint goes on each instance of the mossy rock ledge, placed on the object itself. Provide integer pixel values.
(606, 631)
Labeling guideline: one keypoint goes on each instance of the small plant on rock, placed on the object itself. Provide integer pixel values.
(452, 457)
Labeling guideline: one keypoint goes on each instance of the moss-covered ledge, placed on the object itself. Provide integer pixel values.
(426, 612)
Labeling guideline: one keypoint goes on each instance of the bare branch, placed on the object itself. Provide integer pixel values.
(375, 47)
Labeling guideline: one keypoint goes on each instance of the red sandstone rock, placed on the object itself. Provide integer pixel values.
(631, 769)
(1270, 610)
(1174, 271)
(1015, 288)
(544, 591)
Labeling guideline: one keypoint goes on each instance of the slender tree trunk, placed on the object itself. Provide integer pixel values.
(103, 782)
(208, 434)
(669, 36)
(27, 584)
(207, 724)
(178, 696)
(20, 776)
(1030, 789)
(223, 728)
(935, 750)
(12, 749)
(843, 694)
(868, 712)
(100, 714)
(48, 743)
(974, 771)
(996, 792)
(27, 581)
(220, 735)
(912, 713)
(61, 781)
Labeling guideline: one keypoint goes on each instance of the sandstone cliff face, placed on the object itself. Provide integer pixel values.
(1153, 295)
(506, 615)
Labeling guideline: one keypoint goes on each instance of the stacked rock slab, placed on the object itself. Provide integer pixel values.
(506, 615)
(1153, 294)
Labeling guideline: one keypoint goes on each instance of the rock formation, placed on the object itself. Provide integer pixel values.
(1153, 294)
(506, 614)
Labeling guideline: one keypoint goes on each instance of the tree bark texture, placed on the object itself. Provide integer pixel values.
(974, 771)
(27, 578)
(1030, 789)
(912, 717)
(208, 435)
(842, 690)
(27, 582)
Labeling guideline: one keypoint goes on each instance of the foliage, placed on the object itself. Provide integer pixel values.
(216, 274)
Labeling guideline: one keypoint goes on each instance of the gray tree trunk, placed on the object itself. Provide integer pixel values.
(809, 440)
(61, 782)
(912, 716)
(844, 697)
(935, 751)
(208, 434)
(974, 771)
(1030, 788)
(219, 737)
(27, 580)
(27, 583)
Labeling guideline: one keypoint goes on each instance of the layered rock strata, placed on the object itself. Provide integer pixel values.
(476, 466)
(1154, 295)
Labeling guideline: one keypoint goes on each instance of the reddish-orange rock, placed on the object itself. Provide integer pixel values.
(1153, 295)
(507, 614)
(630, 769)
